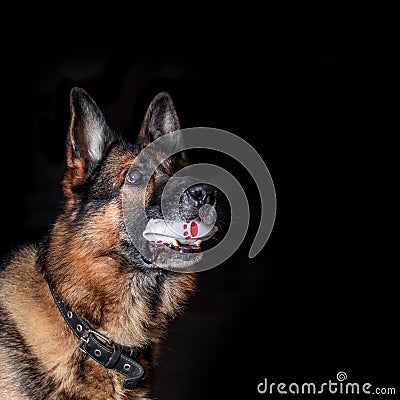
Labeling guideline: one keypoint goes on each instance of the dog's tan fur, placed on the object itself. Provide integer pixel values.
(25, 295)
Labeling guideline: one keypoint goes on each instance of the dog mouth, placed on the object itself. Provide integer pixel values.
(182, 236)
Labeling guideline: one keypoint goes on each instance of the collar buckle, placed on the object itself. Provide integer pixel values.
(98, 336)
(84, 339)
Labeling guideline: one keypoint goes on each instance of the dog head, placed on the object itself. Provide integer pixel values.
(113, 201)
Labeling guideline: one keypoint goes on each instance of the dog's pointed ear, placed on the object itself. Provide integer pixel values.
(160, 118)
(88, 135)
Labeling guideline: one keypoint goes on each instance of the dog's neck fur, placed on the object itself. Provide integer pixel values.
(131, 308)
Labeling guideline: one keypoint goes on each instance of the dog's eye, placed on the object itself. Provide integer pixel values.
(133, 176)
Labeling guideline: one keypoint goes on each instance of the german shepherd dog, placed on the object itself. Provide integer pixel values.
(82, 313)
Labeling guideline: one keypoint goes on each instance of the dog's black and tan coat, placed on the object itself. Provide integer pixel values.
(88, 260)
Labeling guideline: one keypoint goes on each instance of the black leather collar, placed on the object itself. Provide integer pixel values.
(101, 349)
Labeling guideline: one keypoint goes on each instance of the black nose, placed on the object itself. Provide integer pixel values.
(201, 194)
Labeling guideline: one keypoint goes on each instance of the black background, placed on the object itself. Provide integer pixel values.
(317, 95)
